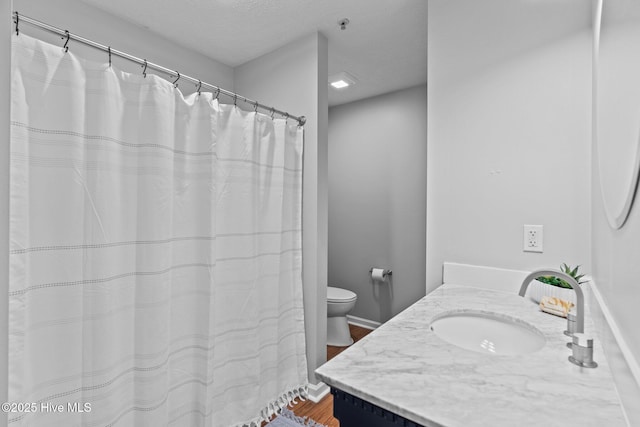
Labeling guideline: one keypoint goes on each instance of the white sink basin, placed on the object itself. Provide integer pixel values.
(490, 333)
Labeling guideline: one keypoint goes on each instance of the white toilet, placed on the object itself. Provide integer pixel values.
(339, 303)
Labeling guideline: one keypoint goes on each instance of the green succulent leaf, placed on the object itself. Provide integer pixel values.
(574, 271)
(556, 281)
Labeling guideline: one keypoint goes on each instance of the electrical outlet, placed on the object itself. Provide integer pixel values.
(532, 238)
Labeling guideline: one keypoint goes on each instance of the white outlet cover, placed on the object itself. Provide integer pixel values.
(532, 238)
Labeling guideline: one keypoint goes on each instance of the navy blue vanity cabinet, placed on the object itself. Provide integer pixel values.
(352, 411)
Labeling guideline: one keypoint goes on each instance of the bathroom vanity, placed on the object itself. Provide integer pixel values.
(404, 374)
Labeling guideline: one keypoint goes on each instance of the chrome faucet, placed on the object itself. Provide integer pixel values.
(579, 295)
(581, 345)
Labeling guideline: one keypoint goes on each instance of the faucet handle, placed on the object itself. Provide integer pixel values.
(582, 351)
(571, 324)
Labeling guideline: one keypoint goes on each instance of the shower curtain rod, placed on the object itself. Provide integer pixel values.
(17, 19)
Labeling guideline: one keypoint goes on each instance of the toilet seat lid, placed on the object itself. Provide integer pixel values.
(340, 295)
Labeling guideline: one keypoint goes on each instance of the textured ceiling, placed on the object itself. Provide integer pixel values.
(384, 46)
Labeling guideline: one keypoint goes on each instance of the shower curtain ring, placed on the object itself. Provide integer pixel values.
(217, 93)
(175, 82)
(255, 107)
(109, 49)
(235, 100)
(66, 43)
(199, 86)
(17, 21)
(144, 69)
(273, 112)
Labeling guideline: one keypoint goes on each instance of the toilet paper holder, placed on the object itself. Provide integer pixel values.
(385, 272)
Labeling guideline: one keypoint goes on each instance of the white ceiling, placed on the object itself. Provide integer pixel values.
(384, 46)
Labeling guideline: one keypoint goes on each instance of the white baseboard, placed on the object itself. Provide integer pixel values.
(317, 391)
(363, 323)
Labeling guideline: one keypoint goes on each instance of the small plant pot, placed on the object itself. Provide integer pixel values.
(537, 290)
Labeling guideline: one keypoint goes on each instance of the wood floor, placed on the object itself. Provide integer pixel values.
(322, 411)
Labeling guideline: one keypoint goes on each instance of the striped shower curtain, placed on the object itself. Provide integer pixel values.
(155, 271)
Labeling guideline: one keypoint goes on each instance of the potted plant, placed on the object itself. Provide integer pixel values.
(553, 286)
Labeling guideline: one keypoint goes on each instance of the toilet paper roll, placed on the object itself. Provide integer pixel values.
(378, 274)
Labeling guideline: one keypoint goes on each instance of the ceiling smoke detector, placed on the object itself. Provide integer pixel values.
(343, 23)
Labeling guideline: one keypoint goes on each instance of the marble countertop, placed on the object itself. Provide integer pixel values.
(405, 368)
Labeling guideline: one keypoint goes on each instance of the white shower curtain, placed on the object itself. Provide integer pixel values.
(155, 272)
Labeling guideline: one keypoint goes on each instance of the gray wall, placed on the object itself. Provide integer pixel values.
(616, 253)
(509, 131)
(377, 196)
(293, 78)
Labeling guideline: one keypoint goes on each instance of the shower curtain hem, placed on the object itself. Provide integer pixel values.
(276, 406)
